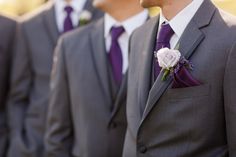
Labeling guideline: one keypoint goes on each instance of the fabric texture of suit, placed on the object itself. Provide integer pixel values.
(7, 31)
(36, 39)
(196, 121)
(87, 111)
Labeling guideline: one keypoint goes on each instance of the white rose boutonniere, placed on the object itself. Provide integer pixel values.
(168, 59)
(85, 17)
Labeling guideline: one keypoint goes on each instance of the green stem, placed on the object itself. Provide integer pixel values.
(166, 73)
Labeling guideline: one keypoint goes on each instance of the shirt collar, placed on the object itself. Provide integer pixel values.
(129, 25)
(77, 5)
(182, 19)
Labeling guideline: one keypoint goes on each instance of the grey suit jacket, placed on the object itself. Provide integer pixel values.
(36, 38)
(195, 121)
(83, 119)
(7, 31)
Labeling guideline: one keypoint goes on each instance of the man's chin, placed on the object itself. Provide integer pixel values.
(98, 4)
(143, 4)
(146, 4)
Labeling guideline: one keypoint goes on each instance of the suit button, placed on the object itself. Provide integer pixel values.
(113, 125)
(143, 149)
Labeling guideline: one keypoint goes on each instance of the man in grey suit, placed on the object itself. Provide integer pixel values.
(192, 112)
(86, 116)
(7, 31)
(29, 93)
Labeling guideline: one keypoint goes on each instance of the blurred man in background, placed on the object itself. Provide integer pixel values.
(86, 116)
(36, 38)
(7, 32)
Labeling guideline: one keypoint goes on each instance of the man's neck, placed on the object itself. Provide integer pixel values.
(68, 2)
(127, 11)
(172, 7)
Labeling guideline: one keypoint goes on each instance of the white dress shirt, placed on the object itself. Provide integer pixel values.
(129, 25)
(77, 6)
(180, 21)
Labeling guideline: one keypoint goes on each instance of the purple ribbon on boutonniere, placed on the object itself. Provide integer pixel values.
(177, 67)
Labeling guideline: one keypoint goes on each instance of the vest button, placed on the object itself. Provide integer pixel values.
(143, 149)
(113, 125)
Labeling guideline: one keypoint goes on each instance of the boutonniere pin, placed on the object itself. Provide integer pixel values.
(171, 61)
(85, 17)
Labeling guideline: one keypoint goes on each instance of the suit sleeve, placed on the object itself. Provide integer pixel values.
(230, 101)
(20, 83)
(58, 138)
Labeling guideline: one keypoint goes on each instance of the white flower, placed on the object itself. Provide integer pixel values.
(86, 15)
(168, 58)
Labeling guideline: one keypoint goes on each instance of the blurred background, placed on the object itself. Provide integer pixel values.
(227, 5)
(19, 7)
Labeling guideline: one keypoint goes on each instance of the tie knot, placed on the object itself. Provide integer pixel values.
(166, 32)
(116, 32)
(68, 10)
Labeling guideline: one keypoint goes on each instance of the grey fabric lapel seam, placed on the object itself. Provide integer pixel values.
(144, 80)
(100, 59)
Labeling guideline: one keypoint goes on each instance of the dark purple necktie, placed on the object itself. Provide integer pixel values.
(163, 40)
(68, 25)
(115, 54)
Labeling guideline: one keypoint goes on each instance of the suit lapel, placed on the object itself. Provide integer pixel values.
(50, 23)
(88, 6)
(146, 64)
(189, 41)
(100, 58)
(121, 96)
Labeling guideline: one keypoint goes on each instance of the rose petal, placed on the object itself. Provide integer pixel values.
(168, 58)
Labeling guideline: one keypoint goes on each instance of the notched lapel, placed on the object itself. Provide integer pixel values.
(100, 57)
(189, 41)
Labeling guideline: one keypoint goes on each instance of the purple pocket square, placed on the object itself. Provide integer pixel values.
(183, 79)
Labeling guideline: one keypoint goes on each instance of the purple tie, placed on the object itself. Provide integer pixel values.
(68, 25)
(163, 40)
(115, 54)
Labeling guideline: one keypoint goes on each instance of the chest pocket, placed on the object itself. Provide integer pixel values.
(188, 92)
